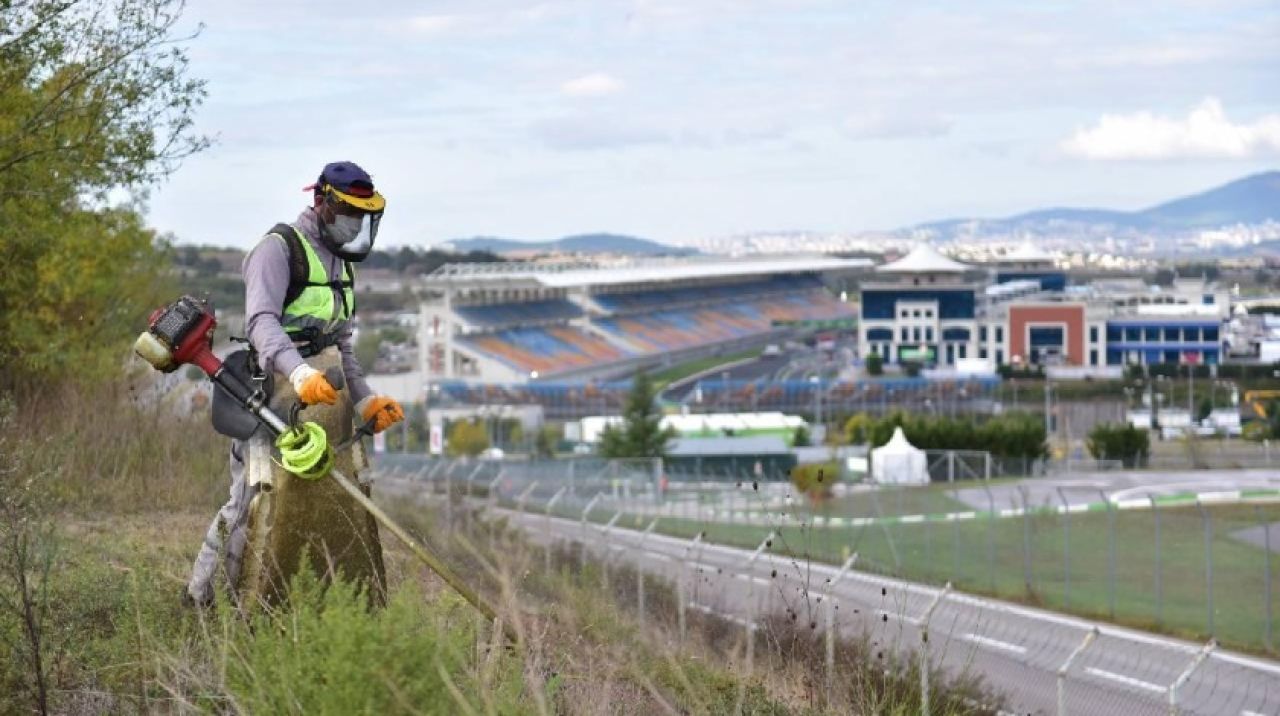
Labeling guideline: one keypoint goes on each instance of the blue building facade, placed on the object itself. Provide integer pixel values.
(1152, 340)
(1049, 280)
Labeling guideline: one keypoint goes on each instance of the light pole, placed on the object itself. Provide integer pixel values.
(1048, 415)
(1191, 392)
(817, 399)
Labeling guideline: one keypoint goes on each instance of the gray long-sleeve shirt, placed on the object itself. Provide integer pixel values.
(266, 280)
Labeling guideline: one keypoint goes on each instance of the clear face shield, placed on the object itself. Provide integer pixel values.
(353, 231)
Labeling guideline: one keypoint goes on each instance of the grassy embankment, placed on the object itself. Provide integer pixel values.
(105, 505)
(667, 376)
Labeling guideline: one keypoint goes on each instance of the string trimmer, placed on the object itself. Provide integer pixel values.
(182, 334)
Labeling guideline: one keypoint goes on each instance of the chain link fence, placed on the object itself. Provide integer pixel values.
(1200, 567)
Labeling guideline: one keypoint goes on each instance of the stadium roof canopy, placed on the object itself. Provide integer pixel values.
(1026, 252)
(923, 259)
(578, 274)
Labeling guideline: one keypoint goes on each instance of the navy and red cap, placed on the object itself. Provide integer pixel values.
(349, 184)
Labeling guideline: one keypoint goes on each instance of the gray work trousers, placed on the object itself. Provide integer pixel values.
(228, 533)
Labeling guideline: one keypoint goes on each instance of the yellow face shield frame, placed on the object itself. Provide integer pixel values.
(372, 204)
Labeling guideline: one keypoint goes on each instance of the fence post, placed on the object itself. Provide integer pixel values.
(1155, 513)
(582, 529)
(1186, 674)
(608, 551)
(1266, 574)
(640, 572)
(681, 597)
(524, 496)
(1026, 540)
(1207, 519)
(1066, 666)
(832, 604)
(888, 535)
(955, 549)
(493, 489)
(1111, 554)
(1066, 549)
(448, 498)
(547, 523)
(924, 648)
(751, 590)
(991, 538)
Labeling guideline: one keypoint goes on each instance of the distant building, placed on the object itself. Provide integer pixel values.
(1019, 310)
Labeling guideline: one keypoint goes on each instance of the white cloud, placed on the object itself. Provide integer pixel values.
(433, 24)
(596, 84)
(1205, 133)
(881, 125)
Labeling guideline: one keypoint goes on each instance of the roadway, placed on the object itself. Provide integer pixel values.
(1118, 485)
(1017, 650)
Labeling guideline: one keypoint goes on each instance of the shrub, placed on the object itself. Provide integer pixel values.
(815, 480)
(467, 437)
(1016, 435)
(1126, 443)
(875, 364)
(801, 438)
(857, 429)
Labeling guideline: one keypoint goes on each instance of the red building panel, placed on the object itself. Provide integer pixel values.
(1071, 316)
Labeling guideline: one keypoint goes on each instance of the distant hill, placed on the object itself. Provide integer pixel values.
(582, 243)
(1250, 200)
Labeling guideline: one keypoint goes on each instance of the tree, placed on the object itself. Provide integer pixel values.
(544, 444)
(1204, 409)
(875, 364)
(95, 105)
(801, 438)
(1126, 443)
(467, 437)
(857, 429)
(641, 433)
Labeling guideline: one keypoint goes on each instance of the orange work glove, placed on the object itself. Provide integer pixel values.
(384, 411)
(311, 386)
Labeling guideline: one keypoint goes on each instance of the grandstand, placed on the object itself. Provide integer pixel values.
(520, 323)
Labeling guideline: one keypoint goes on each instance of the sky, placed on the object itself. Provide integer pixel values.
(677, 120)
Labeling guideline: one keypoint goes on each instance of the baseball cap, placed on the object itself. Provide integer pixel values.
(348, 183)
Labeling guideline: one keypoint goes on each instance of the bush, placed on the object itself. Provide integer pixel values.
(467, 437)
(857, 429)
(1016, 435)
(875, 364)
(800, 438)
(1125, 443)
(330, 654)
(815, 480)
(1026, 373)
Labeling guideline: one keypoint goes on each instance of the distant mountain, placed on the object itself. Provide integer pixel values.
(582, 244)
(1251, 200)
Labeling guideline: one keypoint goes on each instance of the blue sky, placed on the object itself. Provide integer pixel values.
(676, 120)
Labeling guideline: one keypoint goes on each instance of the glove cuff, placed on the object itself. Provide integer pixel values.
(300, 375)
(364, 404)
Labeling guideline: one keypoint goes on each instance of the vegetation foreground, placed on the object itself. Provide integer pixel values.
(96, 540)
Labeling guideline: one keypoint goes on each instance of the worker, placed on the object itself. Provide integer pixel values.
(299, 306)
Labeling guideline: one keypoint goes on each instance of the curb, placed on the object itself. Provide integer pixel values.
(1182, 499)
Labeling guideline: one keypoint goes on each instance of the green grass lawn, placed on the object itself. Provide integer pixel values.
(1025, 560)
(667, 376)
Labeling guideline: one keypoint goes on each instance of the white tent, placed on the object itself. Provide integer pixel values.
(899, 462)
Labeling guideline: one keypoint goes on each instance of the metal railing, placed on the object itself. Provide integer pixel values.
(1175, 562)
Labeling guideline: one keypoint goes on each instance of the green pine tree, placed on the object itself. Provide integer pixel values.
(641, 433)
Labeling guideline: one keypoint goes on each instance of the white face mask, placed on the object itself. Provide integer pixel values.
(345, 229)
